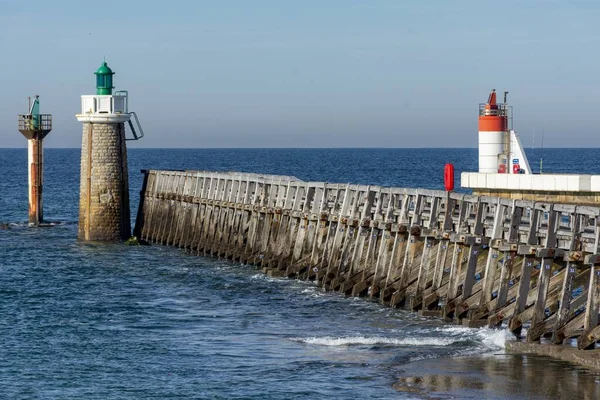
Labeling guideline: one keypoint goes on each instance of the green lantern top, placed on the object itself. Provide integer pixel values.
(104, 83)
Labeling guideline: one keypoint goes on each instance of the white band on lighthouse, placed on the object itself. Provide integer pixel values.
(491, 144)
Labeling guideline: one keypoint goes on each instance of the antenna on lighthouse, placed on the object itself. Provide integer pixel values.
(542, 155)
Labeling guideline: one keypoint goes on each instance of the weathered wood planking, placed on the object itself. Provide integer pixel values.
(475, 260)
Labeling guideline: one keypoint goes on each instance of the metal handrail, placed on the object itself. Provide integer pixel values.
(28, 123)
(125, 93)
(139, 126)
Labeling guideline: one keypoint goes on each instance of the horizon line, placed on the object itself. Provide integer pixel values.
(300, 148)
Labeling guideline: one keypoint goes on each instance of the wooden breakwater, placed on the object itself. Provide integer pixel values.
(475, 260)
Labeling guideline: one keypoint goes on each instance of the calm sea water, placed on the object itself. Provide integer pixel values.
(93, 321)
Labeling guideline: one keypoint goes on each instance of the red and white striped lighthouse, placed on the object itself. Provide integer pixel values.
(493, 136)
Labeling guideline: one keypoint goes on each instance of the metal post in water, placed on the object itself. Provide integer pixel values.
(35, 127)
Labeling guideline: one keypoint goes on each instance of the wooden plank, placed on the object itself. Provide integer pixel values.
(234, 222)
(198, 218)
(363, 233)
(213, 225)
(163, 216)
(317, 230)
(188, 234)
(340, 226)
(567, 288)
(590, 329)
(183, 212)
(225, 219)
(149, 222)
(413, 239)
(441, 261)
(292, 224)
(394, 264)
(281, 234)
(534, 334)
(224, 243)
(509, 256)
(427, 248)
(457, 257)
(474, 252)
(243, 222)
(377, 225)
(383, 261)
(565, 302)
(166, 212)
(250, 220)
(515, 324)
(207, 215)
(468, 282)
(331, 224)
(142, 211)
(385, 247)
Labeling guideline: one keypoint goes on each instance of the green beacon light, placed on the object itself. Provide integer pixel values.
(104, 82)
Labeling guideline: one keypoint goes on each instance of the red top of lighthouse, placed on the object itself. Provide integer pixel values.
(492, 118)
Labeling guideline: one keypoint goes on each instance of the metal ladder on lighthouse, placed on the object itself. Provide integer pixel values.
(130, 122)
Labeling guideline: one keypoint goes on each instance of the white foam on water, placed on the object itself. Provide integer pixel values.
(313, 292)
(263, 277)
(371, 341)
(493, 339)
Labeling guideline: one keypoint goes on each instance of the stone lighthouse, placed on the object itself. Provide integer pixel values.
(104, 186)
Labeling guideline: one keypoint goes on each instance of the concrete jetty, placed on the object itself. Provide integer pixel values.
(474, 260)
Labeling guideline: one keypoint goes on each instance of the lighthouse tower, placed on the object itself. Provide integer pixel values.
(104, 185)
(500, 149)
(494, 141)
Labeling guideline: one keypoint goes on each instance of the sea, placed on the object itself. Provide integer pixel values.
(109, 321)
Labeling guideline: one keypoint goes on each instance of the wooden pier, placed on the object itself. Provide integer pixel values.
(475, 260)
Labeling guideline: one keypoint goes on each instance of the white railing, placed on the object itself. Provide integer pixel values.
(104, 104)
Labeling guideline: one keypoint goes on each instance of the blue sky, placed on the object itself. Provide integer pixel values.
(307, 74)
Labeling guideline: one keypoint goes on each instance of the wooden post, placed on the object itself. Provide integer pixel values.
(564, 309)
(474, 241)
(591, 330)
(537, 329)
(491, 265)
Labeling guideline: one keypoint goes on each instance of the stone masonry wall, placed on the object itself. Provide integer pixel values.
(104, 214)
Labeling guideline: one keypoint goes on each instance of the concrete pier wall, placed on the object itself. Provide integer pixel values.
(554, 188)
(474, 260)
(104, 187)
(581, 198)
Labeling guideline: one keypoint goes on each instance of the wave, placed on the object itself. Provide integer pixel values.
(482, 338)
(264, 277)
(490, 338)
(372, 341)
(8, 225)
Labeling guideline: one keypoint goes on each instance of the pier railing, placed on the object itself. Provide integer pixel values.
(475, 260)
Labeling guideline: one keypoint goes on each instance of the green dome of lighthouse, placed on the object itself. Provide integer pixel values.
(104, 83)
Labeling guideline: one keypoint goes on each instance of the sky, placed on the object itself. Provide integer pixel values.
(327, 73)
